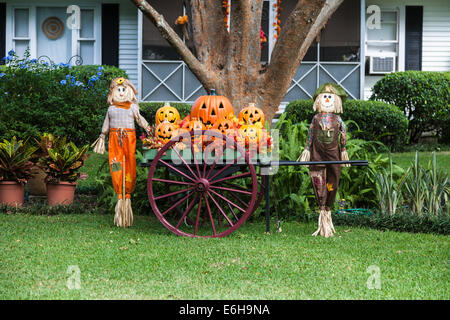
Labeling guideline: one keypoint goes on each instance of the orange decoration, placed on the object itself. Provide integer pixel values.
(277, 24)
(211, 109)
(225, 125)
(167, 113)
(165, 130)
(252, 115)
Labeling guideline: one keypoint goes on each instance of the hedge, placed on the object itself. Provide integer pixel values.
(424, 97)
(375, 120)
(59, 99)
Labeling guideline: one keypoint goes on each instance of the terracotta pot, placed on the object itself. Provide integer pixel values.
(36, 185)
(61, 193)
(12, 193)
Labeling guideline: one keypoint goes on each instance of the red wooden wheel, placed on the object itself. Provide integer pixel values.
(214, 195)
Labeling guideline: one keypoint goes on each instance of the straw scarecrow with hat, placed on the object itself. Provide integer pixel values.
(326, 141)
(119, 123)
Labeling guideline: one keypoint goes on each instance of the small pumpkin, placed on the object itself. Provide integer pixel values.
(196, 125)
(252, 133)
(167, 113)
(211, 109)
(165, 131)
(252, 115)
(225, 125)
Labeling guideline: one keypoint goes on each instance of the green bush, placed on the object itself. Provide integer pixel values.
(424, 97)
(375, 120)
(59, 99)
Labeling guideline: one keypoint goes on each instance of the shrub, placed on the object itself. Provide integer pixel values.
(375, 120)
(60, 99)
(424, 97)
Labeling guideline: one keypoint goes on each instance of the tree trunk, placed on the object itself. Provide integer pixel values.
(230, 61)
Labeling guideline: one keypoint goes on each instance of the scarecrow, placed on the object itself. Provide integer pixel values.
(119, 122)
(326, 142)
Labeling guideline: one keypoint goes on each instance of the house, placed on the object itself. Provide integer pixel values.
(363, 40)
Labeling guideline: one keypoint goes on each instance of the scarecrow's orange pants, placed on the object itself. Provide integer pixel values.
(122, 142)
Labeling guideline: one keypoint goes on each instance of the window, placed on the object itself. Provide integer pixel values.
(154, 46)
(21, 32)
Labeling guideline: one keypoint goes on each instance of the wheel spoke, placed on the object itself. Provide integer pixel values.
(224, 168)
(188, 209)
(176, 170)
(232, 211)
(172, 181)
(185, 163)
(198, 215)
(194, 159)
(227, 200)
(241, 175)
(176, 204)
(231, 190)
(210, 214)
(239, 199)
(173, 193)
(220, 209)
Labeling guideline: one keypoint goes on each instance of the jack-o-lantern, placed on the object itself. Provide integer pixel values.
(167, 113)
(252, 133)
(196, 125)
(225, 125)
(211, 109)
(165, 131)
(252, 115)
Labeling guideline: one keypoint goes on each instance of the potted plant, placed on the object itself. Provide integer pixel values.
(36, 184)
(15, 170)
(61, 166)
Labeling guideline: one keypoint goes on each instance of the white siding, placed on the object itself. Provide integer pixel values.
(436, 35)
(128, 40)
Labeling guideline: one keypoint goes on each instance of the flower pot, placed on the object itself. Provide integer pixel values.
(12, 193)
(36, 185)
(61, 193)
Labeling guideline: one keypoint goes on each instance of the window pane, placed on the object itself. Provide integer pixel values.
(20, 47)
(21, 22)
(154, 46)
(87, 52)
(87, 24)
(340, 40)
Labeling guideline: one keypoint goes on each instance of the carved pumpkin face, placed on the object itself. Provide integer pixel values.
(252, 115)
(225, 125)
(211, 109)
(196, 125)
(165, 131)
(167, 113)
(251, 132)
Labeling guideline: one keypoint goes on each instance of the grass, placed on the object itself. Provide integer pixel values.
(404, 159)
(148, 262)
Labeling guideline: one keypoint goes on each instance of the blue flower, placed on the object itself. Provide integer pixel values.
(62, 82)
(99, 74)
(33, 60)
(100, 68)
(11, 53)
(2, 74)
(7, 58)
(79, 83)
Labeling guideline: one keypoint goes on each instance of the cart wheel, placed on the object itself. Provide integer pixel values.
(215, 195)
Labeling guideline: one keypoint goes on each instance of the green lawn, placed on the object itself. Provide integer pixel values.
(404, 159)
(148, 262)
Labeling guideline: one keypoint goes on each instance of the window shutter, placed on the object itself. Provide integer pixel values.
(110, 34)
(2, 31)
(413, 37)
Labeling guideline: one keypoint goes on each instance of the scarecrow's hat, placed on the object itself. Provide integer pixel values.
(330, 87)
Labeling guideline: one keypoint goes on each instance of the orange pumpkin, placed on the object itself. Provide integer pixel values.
(196, 125)
(167, 113)
(252, 115)
(252, 133)
(165, 131)
(211, 109)
(225, 125)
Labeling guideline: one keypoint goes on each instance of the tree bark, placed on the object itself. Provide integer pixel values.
(230, 62)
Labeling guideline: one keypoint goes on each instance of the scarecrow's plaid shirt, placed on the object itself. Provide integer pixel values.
(326, 123)
(123, 118)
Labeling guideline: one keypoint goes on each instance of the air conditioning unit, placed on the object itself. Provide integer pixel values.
(382, 64)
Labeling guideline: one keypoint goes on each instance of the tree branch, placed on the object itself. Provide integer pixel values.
(208, 79)
(210, 35)
(301, 28)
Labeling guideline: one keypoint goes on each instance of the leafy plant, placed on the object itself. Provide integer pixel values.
(63, 161)
(426, 190)
(423, 97)
(15, 160)
(388, 194)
